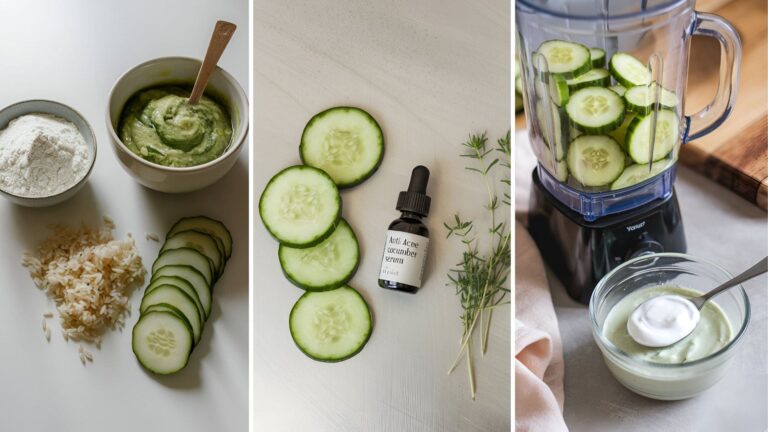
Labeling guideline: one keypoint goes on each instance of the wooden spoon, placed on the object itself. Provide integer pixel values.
(222, 33)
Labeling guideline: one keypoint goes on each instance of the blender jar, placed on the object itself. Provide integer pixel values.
(603, 86)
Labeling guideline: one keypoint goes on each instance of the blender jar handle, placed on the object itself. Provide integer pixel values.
(715, 113)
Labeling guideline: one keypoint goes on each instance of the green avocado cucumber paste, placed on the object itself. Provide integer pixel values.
(712, 333)
(160, 126)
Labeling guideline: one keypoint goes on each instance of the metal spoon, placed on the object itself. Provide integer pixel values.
(699, 301)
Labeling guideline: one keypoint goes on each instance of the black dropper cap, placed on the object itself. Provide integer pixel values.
(415, 199)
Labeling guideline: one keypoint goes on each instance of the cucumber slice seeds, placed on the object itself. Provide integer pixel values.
(595, 110)
(595, 160)
(567, 58)
(331, 326)
(345, 142)
(639, 139)
(300, 206)
(323, 267)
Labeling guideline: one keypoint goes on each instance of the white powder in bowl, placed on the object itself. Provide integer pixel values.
(41, 155)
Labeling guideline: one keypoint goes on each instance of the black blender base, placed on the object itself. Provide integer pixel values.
(580, 253)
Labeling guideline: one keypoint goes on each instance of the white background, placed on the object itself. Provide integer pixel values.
(430, 74)
(72, 52)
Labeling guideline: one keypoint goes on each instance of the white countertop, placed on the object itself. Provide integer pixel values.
(430, 75)
(72, 52)
(721, 227)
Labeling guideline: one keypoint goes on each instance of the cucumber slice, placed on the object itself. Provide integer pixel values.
(639, 140)
(598, 57)
(205, 225)
(186, 256)
(641, 99)
(629, 71)
(595, 110)
(300, 206)
(179, 299)
(619, 90)
(567, 58)
(326, 266)
(620, 133)
(558, 169)
(345, 142)
(558, 90)
(595, 160)
(162, 342)
(638, 173)
(519, 84)
(593, 78)
(558, 132)
(165, 307)
(201, 242)
(194, 278)
(331, 326)
(158, 281)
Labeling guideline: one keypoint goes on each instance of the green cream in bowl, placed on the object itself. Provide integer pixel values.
(164, 143)
(160, 126)
(688, 367)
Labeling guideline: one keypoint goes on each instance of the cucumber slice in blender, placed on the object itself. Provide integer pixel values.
(300, 206)
(205, 225)
(180, 300)
(629, 71)
(558, 90)
(595, 110)
(194, 278)
(550, 114)
(162, 342)
(595, 160)
(619, 90)
(158, 281)
(326, 266)
(345, 142)
(186, 256)
(569, 59)
(331, 326)
(639, 139)
(598, 57)
(620, 133)
(201, 242)
(593, 78)
(640, 99)
(638, 173)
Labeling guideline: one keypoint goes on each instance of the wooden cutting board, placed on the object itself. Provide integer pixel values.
(736, 154)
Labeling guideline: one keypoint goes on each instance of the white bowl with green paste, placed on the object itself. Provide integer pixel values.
(688, 367)
(166, 144)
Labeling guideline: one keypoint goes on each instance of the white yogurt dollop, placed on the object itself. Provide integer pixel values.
(662, 320)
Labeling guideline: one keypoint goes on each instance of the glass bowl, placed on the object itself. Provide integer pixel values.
(658, 380)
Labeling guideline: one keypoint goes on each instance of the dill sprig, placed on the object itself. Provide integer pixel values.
(480, 278)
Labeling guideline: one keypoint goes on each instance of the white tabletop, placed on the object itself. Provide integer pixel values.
(72, 52)
(721, 227)
(430, 75)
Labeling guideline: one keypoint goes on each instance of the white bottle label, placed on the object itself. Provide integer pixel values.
(404, 257)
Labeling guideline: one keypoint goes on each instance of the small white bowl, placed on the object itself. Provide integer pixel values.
(170, 71)
(59, 110)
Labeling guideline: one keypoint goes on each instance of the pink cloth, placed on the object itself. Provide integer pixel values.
(538, 351)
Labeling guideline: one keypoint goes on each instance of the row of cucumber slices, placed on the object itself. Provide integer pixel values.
(319, 252)
(178, 299)
(603, 135)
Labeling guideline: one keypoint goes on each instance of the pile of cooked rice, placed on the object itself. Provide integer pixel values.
(89, 275)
